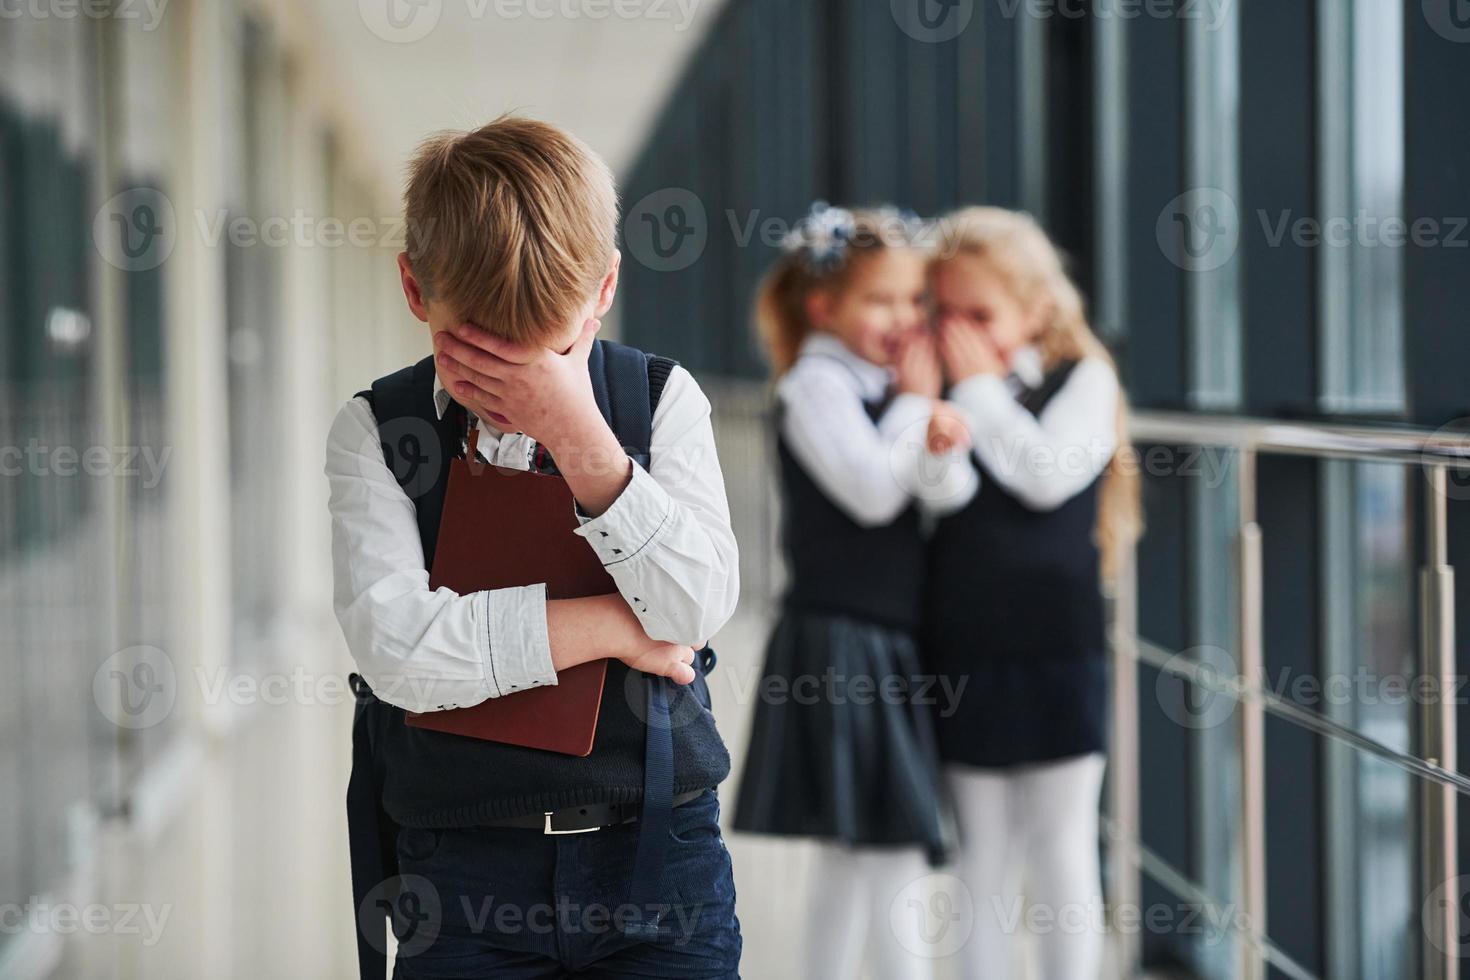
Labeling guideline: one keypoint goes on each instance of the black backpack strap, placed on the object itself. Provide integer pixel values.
(415, 449)
(622, 379)
(627, 385)
(659, 369)
(368, 838)
(417, 444)
(371, 840)
(621, 383)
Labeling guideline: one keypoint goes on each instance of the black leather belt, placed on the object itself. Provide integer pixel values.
(582, 819)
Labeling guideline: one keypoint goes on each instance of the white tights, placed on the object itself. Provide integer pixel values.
(852, 891)
(1034, 828)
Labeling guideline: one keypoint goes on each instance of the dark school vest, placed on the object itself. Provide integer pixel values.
(836, 565)
(1013, 602)
(433, 779)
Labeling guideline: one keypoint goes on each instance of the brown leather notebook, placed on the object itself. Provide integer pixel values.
(504, 528)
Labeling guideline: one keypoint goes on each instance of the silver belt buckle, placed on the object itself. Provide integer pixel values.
(546, 828)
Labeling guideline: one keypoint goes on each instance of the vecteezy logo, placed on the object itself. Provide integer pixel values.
(683, 700)
(932, 21)
(922, 474)
(135, 230)
(400, 21)
(1456, 462)
(1192, 705)
(1452, 896)
(1199, 230)
(667, 230)
(1450, 19)
(135, 687)
(411, 904)
(410, 449)
(932, 916)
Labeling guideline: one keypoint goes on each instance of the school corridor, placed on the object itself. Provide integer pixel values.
(1266, 204)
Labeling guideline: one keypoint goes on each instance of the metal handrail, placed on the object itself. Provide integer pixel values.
(1157, 867)
(1439, 452)
(1200, 675)
(1389, 443)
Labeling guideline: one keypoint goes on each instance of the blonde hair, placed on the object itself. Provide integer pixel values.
(1020, 252)
(512, 225)
(780, 304)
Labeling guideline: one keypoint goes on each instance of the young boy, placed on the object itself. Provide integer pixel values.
(500, 857)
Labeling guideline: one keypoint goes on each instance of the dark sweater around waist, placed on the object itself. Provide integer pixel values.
(435, 779)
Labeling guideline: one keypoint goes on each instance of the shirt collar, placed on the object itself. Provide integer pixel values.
(873, 379)
(442, 399)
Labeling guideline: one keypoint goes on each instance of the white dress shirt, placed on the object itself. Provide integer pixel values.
(666, 541)
(872, 472)
(1042, 460)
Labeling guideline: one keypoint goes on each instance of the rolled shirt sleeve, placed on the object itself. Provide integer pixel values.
(1044, 460)
(871, 471)
(940, 483)
(632, 523)
(827, 428)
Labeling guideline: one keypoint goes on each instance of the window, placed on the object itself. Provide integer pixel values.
(1361, 190)
(146, 607)
(57, 532)
(1212, 178)
(1369, 628)
(253, 290)
(1215, 759)
(1110, 177)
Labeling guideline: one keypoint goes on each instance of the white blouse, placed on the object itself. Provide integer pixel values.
(1043, 460)
(871, 471)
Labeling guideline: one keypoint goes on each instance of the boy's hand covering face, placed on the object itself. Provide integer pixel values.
(530, 389)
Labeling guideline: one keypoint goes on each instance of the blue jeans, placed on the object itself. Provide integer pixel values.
(517, 903)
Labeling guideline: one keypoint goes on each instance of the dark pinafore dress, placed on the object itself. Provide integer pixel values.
(1014, 607)
(842, 744)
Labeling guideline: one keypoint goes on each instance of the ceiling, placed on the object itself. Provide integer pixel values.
(601, 68)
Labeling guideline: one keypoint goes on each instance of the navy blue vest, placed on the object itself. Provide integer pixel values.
(433, 779)
(837, 566)
(1014, 603)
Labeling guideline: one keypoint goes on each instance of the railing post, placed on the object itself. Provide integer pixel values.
(1125, 872)
(1251, 844)
(1437, 732)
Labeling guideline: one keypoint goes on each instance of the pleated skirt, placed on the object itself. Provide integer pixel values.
(842, 745)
